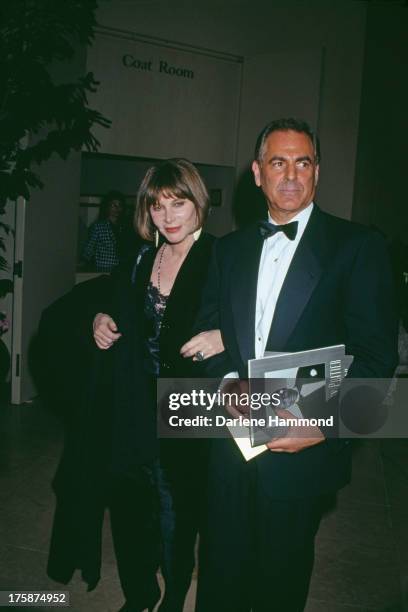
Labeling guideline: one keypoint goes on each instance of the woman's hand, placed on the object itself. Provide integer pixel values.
(206, 344)
(105, 331)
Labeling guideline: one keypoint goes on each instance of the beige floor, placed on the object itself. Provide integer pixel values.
(362, 547)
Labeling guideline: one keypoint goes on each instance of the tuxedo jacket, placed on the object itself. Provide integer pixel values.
(338, 290)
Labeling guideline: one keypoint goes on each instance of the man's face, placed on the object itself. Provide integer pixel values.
(287, 173)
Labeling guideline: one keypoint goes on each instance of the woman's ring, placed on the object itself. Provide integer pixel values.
(199, 356)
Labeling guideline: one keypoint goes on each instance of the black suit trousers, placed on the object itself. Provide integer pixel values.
(256, 552)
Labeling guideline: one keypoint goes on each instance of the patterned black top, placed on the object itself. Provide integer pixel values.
(155, 305)
(101, 248)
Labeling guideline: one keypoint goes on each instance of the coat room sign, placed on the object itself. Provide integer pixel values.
(163, 66)
(165, 102)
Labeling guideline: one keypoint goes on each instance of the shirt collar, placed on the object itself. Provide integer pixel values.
(302, 218)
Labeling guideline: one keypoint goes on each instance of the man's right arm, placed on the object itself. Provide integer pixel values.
(208, 318)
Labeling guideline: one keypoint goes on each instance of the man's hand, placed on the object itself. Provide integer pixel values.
(105, 331)
(297, 437)
(236, 387)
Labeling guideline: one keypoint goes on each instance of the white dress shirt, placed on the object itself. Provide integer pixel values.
(276, 257)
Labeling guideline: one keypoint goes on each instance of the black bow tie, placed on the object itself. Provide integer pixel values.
(267, 229)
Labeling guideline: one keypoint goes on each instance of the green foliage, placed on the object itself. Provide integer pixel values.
(55, 116)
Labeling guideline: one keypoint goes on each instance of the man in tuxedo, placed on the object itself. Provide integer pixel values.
(300, 279)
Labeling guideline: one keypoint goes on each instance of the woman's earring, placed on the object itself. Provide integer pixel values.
(197, 234)
(156, 238)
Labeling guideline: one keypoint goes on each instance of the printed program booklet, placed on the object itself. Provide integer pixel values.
(309, 378)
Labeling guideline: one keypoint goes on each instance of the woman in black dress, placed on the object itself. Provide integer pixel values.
(152, 317)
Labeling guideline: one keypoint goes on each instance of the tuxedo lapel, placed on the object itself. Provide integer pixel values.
(244, 281)
(301, 279)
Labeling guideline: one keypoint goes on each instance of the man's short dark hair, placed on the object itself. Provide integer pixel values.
(283, 125)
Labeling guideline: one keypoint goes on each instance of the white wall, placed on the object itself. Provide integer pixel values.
(49, 251)
(165, 102)
(50, 236)
(248, 29)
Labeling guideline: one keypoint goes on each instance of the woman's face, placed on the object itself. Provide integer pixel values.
(115, 210)
(175, 218)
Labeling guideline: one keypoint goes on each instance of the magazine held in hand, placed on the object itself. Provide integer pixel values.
(305, 383)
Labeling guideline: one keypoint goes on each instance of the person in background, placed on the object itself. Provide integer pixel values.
(101, 252)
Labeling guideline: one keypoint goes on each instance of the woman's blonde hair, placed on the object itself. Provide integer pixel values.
(173, 177)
